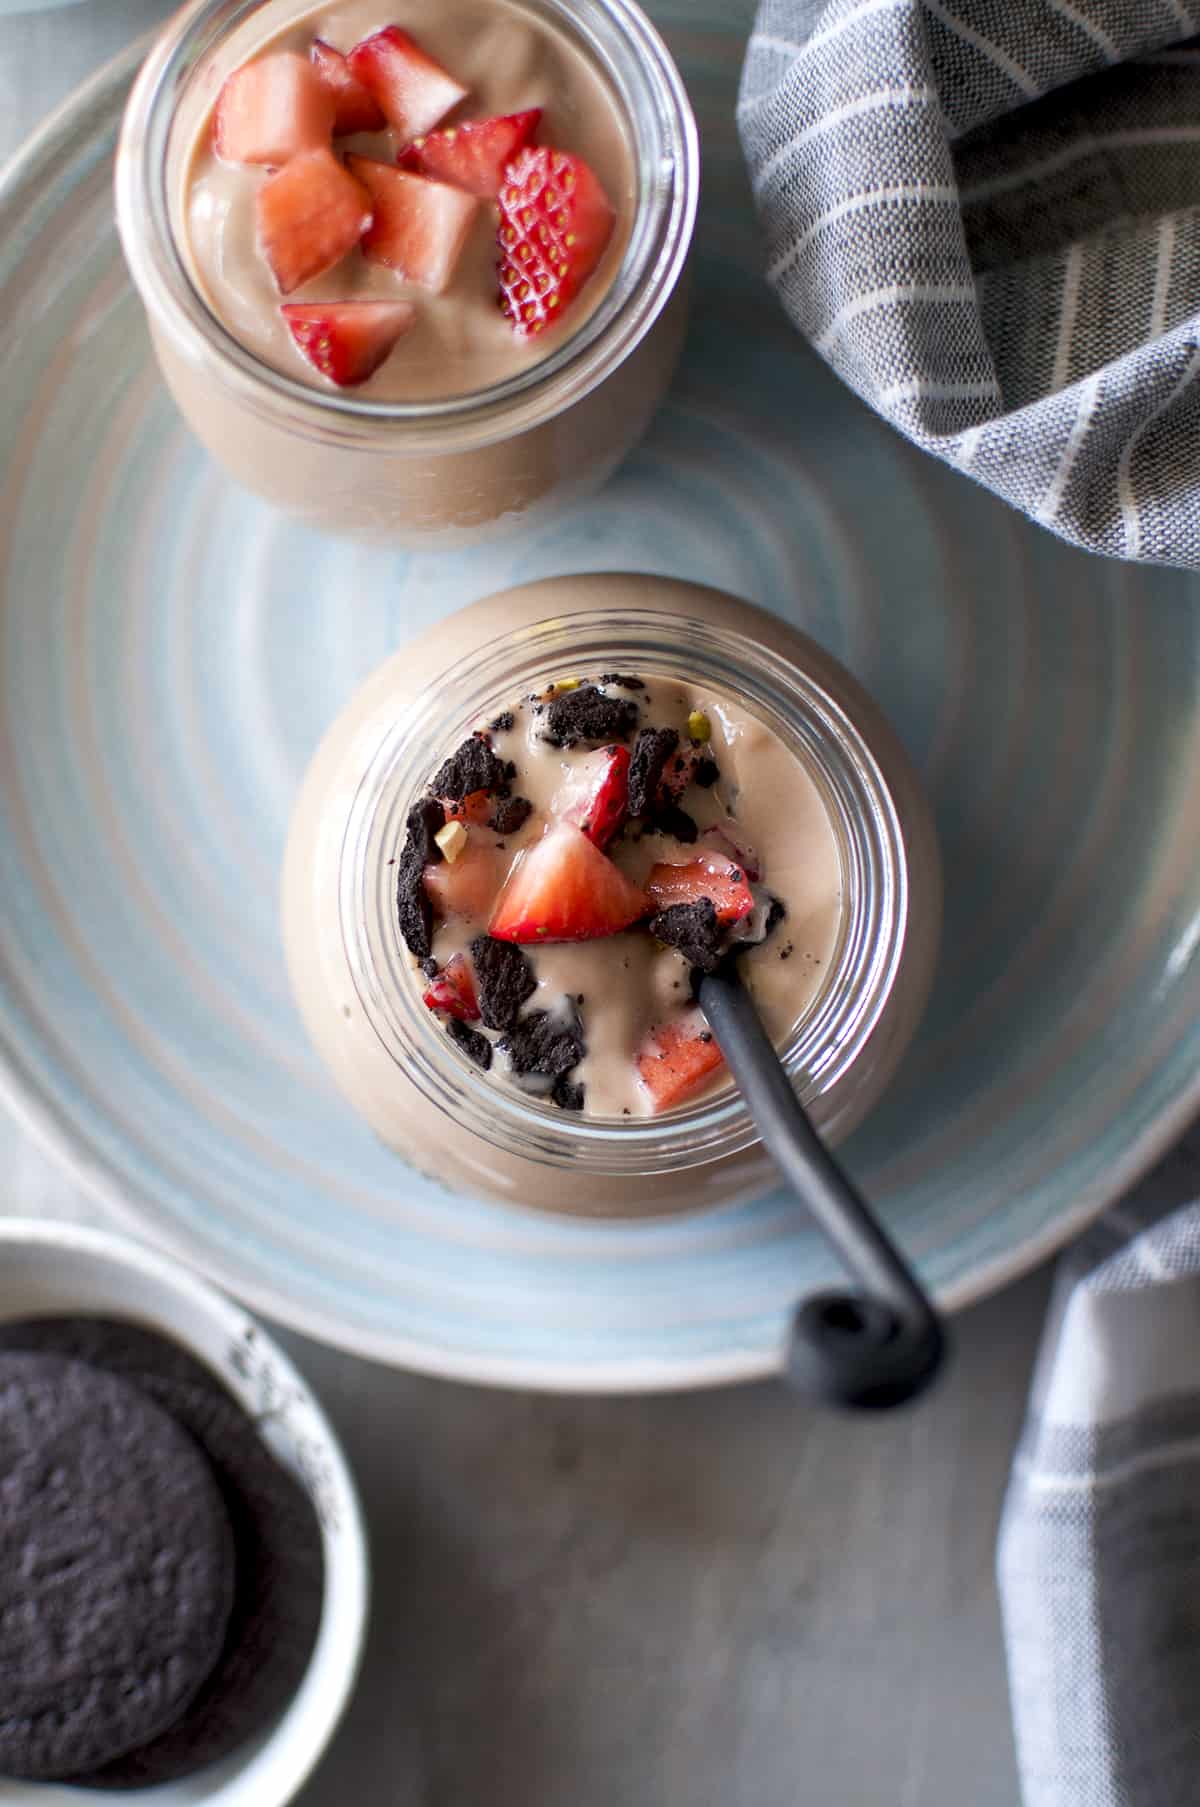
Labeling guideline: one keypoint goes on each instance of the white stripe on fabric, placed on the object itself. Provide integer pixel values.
(876, 102)
(1071, 153)
(1066, 324)
(898, 291)
(765, 41)
(1088, 27)
(1139, 1247)
(919, 388)
(968, 445)
(1162, 276)
(1000, 59)
(1052, 500)
(1129, 508)
(1100, 1480)
(894, 191)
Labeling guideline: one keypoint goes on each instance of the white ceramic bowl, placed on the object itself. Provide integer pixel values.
(51, 1268)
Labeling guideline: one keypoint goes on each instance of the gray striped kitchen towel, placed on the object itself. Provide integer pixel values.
(985, 214)
(1099, 1555)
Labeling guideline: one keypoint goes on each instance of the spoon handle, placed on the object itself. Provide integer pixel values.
(872, 1348)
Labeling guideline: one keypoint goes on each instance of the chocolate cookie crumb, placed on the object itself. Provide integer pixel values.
(430, 968)
(503, 980)
(587, 714)
(668, 818)
(424, 822)
(476, 1047)
(474, 767)
(567, 1094)
(706, 773)
(504, 723)
(652, 749)
(412, 904)
(621, 680)
(694, 930)
(545, 1043)
(511, 814)
(706, 1035)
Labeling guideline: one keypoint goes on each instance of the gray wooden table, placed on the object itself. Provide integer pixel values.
(713, 1600)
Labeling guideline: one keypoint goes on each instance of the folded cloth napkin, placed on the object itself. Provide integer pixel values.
(985, 214)
(1099, 1553)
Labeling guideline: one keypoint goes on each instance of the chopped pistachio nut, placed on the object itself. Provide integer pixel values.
(698, 726)
(562, 684)
(452, 839)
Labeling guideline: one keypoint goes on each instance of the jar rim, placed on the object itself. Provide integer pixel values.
(828, 1036)
(618, 36)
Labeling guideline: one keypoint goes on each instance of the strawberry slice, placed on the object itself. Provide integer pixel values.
(467, 886)
(708, 876)
(472, 155)
(564, 889)
(596, 795)
(355, 108)
(413, 91)
(347, 341)
(555, 220)
(675, 1060)
(271, 110)
(727, 837)
(453, 990)
(419, 228)
(309, 215)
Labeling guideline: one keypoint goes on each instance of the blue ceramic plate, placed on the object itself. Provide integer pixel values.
(170, 652)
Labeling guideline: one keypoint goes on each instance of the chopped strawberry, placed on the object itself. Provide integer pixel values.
(271, 110)
(355, 108)
(467, 886)
(347, 341)
(420, 227)
(453, 990)
(596, 795)
(564, 889)
(555, 220)
(309, 215)
(676, 1059)
(413, 91)
(476, 808)
(727, 837)
(708, 876)
(472, 155)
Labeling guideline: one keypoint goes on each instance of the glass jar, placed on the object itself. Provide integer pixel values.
(354, 978)
(445, 471)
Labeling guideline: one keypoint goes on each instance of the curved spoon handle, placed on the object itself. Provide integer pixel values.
(869, 1349)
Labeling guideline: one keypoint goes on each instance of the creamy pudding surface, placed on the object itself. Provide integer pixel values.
(459, 341)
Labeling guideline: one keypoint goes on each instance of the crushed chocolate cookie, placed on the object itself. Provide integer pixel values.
(504, 723)
(474, 767)
(587, 714)
(652, 749)
(430, 968)
(706, 1035)
(621, 680)
(567, 1094)
(476, 1047)
(425, 819)
(693, 929)
(412, 904)
(503, 980)
(668, 818)
(706, 773)
(545, 1043)
(510, 814)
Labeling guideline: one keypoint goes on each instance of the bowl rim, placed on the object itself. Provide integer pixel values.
(289, 1750)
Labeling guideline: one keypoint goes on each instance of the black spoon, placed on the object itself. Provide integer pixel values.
(868, 1349)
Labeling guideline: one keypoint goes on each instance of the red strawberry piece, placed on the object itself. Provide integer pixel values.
(596, 795)
(413, 91)
(453, 990)
(420, 227)
(555, 220)
(309, 215)
(476, 808)
(355, 108)
(675, 1060)
(708, 876)
(347, 341)
(467, 886)
(564, 889)
(271, 110)
(472, 155)
(727, 837)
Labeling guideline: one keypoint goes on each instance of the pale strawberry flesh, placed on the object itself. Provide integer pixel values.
(596, 795)
(413, 91)
(564, 889)
(709, 876)
(676, 1060)
(472, 155)
(347, 341)
(419, 227)
(453, 991)
(469, 885)
(355, 108)
(272, 110)
(310, 215)
(555, 221)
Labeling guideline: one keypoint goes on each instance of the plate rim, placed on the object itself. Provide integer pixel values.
(36, 1114)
